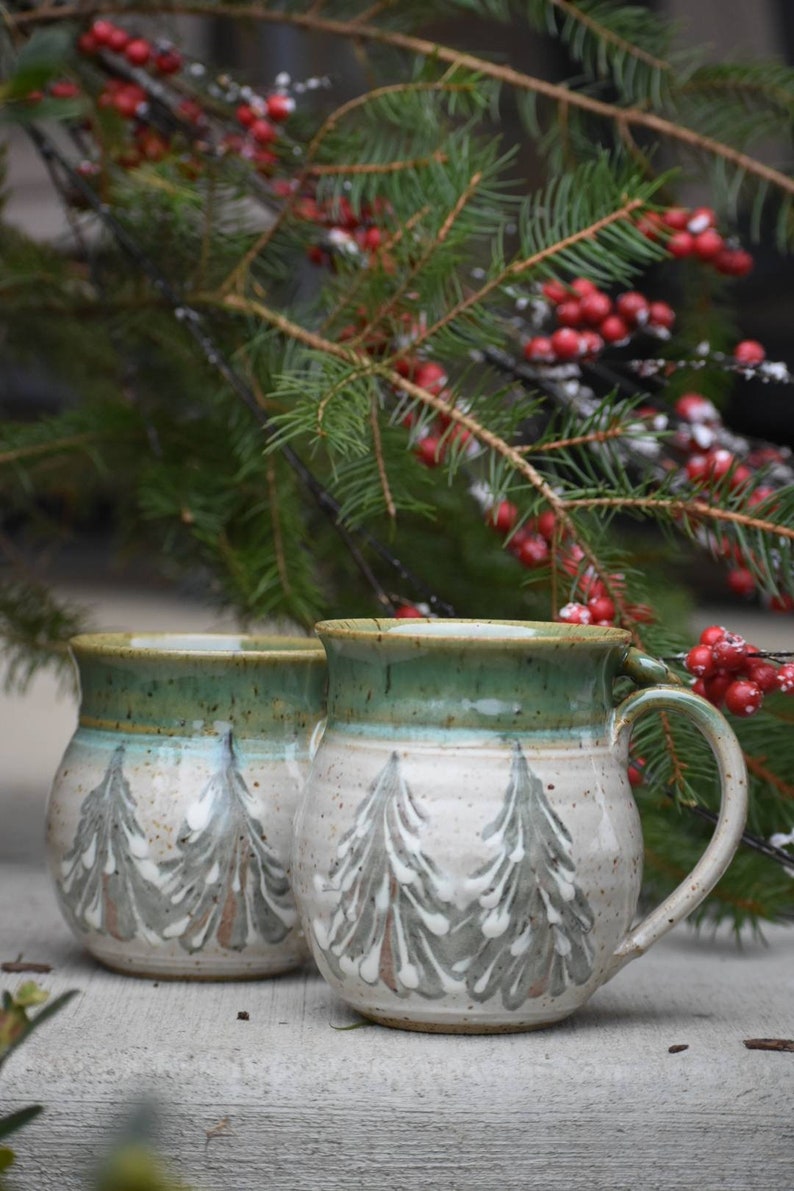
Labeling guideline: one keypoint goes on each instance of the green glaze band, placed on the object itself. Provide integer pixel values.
(421, 675)
(143, 682)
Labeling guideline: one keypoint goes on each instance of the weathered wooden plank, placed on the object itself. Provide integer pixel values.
(598, 1102)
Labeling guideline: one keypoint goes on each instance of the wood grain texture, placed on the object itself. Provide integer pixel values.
(597, 1102)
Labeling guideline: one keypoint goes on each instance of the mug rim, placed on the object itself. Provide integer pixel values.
(221, 646)
(414, 630)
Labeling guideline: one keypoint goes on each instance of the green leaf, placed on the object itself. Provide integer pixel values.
(6, 1158)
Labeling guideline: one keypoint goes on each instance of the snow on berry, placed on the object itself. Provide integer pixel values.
(785, 678)
(575, 614)
(730, 652)
(700, 661)
(743, 698)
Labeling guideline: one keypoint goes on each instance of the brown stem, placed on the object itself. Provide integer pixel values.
(46, 448)
(757, 766)
(696, 508)
(377, 444)
(578, 441)
(388, 167)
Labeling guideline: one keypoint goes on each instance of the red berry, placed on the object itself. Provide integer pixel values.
(699, 687)
(102, 31)
(642, 613)
(373, 238)
(502, 517)
(430, 376)
(720, 462)
(676, 217)
(430, 450)
(749, 351)
(583, 286)
(681, 245)
(565, 344)
(743, 698)
(733, 262)
(64, 89)
(712, 634)
(700, 219)
(764, 675)
(547, 524)
(538, 348)
(633, 307)
(263, 132)
(138, 51)
(716, 685)
(635, 771)
(168, 62)
(697, 468)
(661, 316)
(87, 43)
(554, 292)
(614, 330)
(118, 40)
(785, 679)
(280, 107)
(741, 581)
(575, 614)
(601, 608)
(245, 115)
(700, 661)
(409, 612)
(569, 313)
(128, 100)
(649, 224)
(533, 551)
(594, 307)
(708, 244)
(730, 652)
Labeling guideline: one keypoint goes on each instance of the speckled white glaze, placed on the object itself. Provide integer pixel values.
(169, 824)
(468, 853)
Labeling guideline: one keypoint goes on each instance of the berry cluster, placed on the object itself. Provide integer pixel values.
(693, 233)
(259, 116)
(588, 320)
(732, 674)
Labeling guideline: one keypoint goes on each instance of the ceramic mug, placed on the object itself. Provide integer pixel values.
(468, 853)
(169, 824)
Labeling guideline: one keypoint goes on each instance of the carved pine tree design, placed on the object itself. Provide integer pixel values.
(392, 919)
(107, 881)
(227, 883)
(529, 925)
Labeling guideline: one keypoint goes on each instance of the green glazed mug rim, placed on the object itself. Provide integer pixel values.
(438, 632)
(259, 647)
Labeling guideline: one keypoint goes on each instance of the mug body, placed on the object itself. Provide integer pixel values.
(468, 853)
(169, 824)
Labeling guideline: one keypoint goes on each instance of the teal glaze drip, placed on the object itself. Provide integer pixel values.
(258, 686)
(559, 685)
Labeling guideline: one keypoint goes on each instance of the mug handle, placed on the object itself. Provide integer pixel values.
(664, 696)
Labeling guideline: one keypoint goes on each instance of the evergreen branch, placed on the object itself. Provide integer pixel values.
(578, 440)
(387, 167)
(517, 268)
(426, 48)
(446, 227)
(216, 358)
(328, 126)
(608, 36)
(47, 448)
(345, 301)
